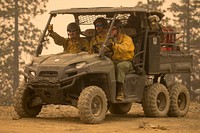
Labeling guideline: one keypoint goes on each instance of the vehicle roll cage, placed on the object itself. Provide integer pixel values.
(112, 13)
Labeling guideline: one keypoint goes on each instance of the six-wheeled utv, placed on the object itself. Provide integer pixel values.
(87, 81)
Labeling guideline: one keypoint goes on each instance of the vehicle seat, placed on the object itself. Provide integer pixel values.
(130, 32)
(89, 33)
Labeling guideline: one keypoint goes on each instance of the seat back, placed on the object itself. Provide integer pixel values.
(130, 32)
(89, 33)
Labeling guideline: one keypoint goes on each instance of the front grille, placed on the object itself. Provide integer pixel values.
(48, 74)
(44, 81)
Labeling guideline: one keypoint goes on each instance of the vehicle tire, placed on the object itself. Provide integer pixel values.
(23, 100)
(92, 105)
(179, 100)
(156, 101)
(120, 108)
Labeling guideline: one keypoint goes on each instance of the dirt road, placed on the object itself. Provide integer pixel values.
(65, 119)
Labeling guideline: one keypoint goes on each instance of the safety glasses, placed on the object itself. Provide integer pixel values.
(71, 30)
(99, 25)
(114, 28)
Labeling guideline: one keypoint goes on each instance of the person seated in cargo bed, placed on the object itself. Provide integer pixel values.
(74, 43)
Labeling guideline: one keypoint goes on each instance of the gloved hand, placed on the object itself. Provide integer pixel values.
(95, 49)
(50, 28)
(109, 54)
(109, 45)
(83, 49)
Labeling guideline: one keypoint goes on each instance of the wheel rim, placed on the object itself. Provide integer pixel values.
(31, 101)
(96, 106)
(181, 101)
(161, 101)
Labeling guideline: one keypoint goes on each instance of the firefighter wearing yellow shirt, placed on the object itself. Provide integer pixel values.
(101, 26)
(123, 49)
(73, 44)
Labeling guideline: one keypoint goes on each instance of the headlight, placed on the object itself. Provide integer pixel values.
(80, 65)
(33, 74)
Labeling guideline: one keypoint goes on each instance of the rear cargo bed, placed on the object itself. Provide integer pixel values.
(175, 63)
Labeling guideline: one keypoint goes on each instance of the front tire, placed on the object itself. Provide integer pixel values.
(92, 105)
(156, 101)
(120, 108)
(179, 100)
(23, 102)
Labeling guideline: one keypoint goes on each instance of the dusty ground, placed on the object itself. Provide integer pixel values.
(60, 119)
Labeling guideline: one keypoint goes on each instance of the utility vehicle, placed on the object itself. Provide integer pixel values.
(87, 81)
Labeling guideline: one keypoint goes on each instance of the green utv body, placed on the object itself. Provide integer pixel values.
(87, 81)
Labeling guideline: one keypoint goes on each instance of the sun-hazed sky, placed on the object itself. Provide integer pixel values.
(41, 20)
(62, 4)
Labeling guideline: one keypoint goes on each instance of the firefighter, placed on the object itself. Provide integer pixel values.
(101, 26)
(73, 44)
(123, 53)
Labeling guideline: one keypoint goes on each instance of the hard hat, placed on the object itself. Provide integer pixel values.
(103, 21)
(73, 26)
(118, 24)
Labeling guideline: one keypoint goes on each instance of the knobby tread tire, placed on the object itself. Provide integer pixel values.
(120, 108)
(179, 100)
(85, 102)
(21, 99)
(150, 101)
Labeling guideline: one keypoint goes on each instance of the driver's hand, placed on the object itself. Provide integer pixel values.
(110, 45)
(95, 49)
(50, 28)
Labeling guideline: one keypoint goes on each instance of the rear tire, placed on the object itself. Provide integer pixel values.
(156, 101)
(179, 100)
(23, 100)
(120, 108)
(92, 105)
